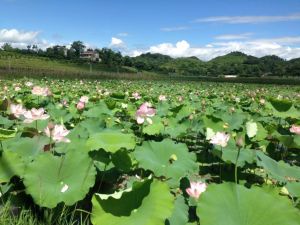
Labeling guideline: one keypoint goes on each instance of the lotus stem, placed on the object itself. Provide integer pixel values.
(220, 168)
(236, 167)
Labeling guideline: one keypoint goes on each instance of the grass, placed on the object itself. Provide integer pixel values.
(11, 215)
(20, 61)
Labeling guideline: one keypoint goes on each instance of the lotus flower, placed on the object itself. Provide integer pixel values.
(220, 138)
(35, 114)
(84, 99)
(17, 110)
(196, 188)
(136, 96)
(262, 101)
(145, 112)
(162, 98)
(39, 91)
(295, 129)
(80, 105)
(57, 133)
(17, 88)
(28, 84)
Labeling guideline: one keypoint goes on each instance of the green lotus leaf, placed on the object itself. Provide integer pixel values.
(173, 161)
(234, 120)
(111, 141)
(185, 111)
(232, 204)
(296, 141)
(122, 160)
(153, 129)
(292, 112)
(11, 164)
(246, 155)
(6, 122)
(7, 134)
(180, 213)
(175, 129)
(162, 109)
(214, 123)
(98, 111)
(278, 170)
(294, 189)
(281, 105)
(52, 179)
(148, 203)
(26, 147)
(261, 134)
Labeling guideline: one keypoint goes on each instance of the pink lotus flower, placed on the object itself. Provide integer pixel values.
(80, 105)
(136, 96)
(35, 114)
(162, 98)
(65, 103)
(295, 129)
(57, 133)
(84, 99)
(17, 110)
(196, 188)
(220, 138)
(145, 112)
(40, 91)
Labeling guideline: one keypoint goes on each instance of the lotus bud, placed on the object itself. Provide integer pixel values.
(240, 142)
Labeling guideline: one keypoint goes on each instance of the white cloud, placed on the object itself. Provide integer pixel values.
(171, 29)
(21, 39)
(248, 19)
(259, 48)
(233, 36)
(116, 43)
(16, 36)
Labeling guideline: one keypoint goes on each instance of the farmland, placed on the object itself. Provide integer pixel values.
(149, 152)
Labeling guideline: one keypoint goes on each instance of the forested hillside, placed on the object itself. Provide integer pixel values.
(234, 63)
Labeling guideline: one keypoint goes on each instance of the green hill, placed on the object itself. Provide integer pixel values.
(234, 63)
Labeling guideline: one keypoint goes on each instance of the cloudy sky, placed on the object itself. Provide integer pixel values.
(205, 29)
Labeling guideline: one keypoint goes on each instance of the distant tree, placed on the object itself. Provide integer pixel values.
(117, 60)
(127, 61)
(106, 56)
(35, 48)
(79, 47)
(7, 47)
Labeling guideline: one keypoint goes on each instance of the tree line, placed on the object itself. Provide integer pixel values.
(234, 63)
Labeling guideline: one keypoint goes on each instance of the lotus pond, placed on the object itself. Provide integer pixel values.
(150, 152)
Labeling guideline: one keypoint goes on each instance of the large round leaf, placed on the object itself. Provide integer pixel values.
(146, 204)
(281, 105)
(52, 179)
(180, 213)
(280, 171)
(27, 148)
(173, 161)
(111, 141)
(11, 164)
(232, 204)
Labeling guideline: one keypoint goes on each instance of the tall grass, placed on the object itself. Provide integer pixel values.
(11, 215)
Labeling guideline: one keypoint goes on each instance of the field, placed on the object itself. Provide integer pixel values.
(116, 152)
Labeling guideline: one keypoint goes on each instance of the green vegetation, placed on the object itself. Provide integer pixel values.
(90, 152)
(61, 59)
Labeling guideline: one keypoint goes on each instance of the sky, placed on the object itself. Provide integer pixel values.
(178, 28)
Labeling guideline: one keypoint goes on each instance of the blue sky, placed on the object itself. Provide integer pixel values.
(177, 28)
